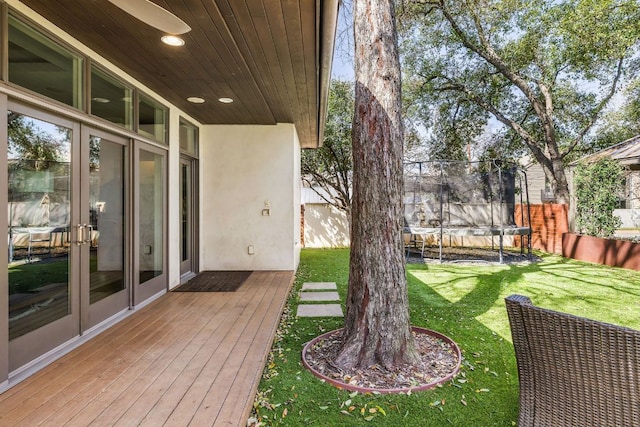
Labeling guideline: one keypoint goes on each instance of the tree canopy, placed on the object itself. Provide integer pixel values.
(545, 70)
(27, 142)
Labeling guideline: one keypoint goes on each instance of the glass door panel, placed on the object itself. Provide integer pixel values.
(185, 216)
(42, 313)
(104, 227)
(151, 225)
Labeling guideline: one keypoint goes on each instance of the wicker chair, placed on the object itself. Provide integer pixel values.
(574, 371)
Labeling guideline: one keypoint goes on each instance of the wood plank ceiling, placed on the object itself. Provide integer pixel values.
(264, 54)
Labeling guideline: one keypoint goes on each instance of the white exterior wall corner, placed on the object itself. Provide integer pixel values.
(297, 199)
(243, 167)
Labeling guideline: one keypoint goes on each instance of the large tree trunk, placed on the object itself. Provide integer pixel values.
(561, 188)
(377, 327)
(555, 173)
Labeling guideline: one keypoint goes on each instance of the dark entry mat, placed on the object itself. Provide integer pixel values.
(215, 281)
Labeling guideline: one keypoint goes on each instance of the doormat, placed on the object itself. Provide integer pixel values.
(215, 281)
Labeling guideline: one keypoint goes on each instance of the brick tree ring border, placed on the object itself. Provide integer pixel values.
(345, 386)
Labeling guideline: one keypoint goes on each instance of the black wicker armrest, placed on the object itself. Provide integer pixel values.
(574, 371)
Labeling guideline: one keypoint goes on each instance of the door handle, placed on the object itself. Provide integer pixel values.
(88, 229)
(80, 234)
(84, 234)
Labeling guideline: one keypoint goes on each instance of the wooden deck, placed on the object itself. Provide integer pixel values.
(186, 359)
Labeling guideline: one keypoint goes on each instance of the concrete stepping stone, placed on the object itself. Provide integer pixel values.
(319, 286)
(319, 310)
(319, 296)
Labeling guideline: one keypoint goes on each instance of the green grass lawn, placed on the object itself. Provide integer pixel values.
(26, 277)
(464, 302)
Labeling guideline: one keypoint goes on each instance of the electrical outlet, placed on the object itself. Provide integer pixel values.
(251, 250)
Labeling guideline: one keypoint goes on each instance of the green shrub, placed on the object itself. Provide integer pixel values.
(597, 186)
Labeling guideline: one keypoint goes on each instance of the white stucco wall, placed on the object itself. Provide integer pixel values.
(244, 169)
(325, 226)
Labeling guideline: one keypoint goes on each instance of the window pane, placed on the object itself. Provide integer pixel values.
(188, 138)
(151, 215)
(39, 222)
(152, 119)
(110, 99)
(38, 64)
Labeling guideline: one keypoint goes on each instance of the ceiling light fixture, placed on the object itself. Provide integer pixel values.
(100, 100)
(225, 100)
(196, 100)
(172, 40)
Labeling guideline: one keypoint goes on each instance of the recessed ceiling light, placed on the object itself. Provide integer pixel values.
(195, 100)
(172, 40)
(225, 100)
(100, 100)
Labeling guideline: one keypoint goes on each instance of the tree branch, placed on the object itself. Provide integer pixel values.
(596, 112)
(488, 53)
(528, 139)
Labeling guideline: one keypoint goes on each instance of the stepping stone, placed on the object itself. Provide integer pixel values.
(319, 296)
(319, 286)
(320, 310)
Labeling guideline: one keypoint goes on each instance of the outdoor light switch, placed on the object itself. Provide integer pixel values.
(266, 211)
(147, 249)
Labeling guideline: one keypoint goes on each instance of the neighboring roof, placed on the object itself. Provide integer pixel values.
(627, 152)
(273, 58)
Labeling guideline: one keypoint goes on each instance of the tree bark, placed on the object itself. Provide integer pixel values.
(377, 327)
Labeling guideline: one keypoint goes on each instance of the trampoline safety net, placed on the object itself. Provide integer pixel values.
(463, 204)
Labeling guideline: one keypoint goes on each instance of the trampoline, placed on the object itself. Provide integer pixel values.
(459, 203)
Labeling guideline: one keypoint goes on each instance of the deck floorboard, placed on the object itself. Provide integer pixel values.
(185, 359)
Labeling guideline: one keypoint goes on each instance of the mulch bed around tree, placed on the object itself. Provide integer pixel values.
(439, 361)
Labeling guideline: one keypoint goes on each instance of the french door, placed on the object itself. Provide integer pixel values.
(103, 228)
(43, 179)
(86, 229)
